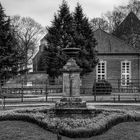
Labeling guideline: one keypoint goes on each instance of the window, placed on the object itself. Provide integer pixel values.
(125, 73)
(101, 70)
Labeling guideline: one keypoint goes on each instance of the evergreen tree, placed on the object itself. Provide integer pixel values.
(84, 39)
(58, 37)
(8, 47)
(69, 30)
(59, 34)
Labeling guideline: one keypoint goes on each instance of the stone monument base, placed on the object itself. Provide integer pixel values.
(70, 102)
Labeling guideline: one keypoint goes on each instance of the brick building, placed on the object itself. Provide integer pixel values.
(117, 60)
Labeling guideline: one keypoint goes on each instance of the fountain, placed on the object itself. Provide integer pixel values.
(71, 82)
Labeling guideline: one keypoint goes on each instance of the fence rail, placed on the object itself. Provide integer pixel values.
(111, 89)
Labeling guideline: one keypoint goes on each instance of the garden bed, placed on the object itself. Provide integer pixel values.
(72, 125)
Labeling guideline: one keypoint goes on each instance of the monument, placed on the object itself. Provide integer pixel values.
(71, 82)
(71, 74)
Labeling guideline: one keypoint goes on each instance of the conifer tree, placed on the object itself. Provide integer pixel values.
(84, 39)
(58, 37)
(69, 30)
(9, 58)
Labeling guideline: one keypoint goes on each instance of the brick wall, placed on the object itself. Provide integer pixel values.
(113, 69)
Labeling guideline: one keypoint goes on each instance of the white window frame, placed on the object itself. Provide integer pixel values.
(101, 74)
(125, 73)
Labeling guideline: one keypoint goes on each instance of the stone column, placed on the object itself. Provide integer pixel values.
(71, 79)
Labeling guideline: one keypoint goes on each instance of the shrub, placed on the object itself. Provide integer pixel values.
(102, 87)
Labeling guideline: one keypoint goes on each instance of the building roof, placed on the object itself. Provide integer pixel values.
(130, 25)
(108, 43)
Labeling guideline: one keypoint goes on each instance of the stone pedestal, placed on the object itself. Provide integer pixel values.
(71, 79)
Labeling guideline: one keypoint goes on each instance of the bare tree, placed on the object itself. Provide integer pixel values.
(114, 18)
(118, 14)
(133, 5)
(99, 23)
(28, 33)
(128, 29)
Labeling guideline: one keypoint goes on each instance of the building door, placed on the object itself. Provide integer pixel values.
(125, 73)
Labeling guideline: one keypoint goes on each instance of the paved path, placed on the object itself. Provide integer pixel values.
(113, 104)
(90, 105)
(40, 101)
(26, 104)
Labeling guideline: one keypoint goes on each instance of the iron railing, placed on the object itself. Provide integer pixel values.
(116, 91)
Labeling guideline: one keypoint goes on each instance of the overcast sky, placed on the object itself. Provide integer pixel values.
(43, 10)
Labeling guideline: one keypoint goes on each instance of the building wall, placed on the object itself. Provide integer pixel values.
(113, 51)
(35, 61)
(37, 58)
(114, 69)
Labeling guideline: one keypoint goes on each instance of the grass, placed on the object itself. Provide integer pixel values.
(18, 130)
(123, 131)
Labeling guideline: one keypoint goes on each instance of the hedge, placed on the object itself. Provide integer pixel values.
(102, 123)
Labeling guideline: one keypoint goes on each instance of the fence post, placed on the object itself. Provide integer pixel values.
(118, 85)
(3, 102)
(119, 97)
(95, 91)
(22, 91)
(46, 92)
(59, 137)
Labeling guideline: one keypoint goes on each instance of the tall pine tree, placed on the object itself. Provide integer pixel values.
(8, 47)
(84, 39)
(69, 30)
(58, 37)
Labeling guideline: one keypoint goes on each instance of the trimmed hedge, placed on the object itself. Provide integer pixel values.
(102, 87)
(86, 127)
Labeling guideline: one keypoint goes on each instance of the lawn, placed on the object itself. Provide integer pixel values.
(19, 130)
(123, 131)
